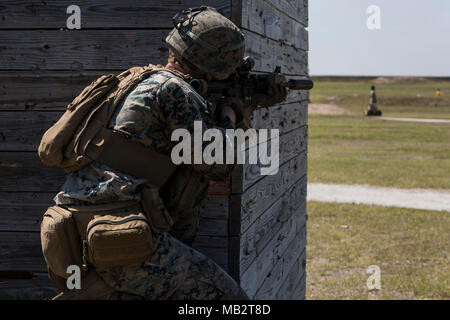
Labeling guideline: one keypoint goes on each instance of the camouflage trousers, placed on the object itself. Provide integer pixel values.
(175, 271)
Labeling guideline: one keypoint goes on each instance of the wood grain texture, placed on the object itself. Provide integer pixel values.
(38, 287)
(256, 233)
(99, 13)
(260, 196)
(236, 12)
(42, 90)
(269, 53)
(22, 131)
(21, 251)
(212, 235)
(213, 227)
(253, 278)
(293, 280)
(260, 17)
(22, 211)
(80, 50)
(214, 247)
(270, 222)
(23, 171)
(287, 268)
(215, 207)
(290, 145)
(284, 117)
(53, 90)
(296, 9)
(219, 187)
(300, 290)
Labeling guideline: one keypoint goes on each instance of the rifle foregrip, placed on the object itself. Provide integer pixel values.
(300, 84)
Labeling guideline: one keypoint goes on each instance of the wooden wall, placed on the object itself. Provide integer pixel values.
(264, 233)
(273, 208)
(253, 226)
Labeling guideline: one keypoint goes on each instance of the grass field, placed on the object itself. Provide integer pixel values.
(364, 150)
(360, 150)
(411, 247)
(407, 97)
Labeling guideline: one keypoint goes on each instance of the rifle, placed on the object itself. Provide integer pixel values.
(250, 89)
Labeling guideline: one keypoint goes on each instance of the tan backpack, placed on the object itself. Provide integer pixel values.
(81, 135)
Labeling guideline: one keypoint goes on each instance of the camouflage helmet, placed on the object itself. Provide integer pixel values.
(208, 40)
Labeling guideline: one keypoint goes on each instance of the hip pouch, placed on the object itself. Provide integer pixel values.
(60, 242)
(118, 239)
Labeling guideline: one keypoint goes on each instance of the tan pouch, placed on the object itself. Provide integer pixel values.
(156, 211)
(60, 242)
(114, 240)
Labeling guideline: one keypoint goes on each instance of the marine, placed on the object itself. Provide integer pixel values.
(206, 45)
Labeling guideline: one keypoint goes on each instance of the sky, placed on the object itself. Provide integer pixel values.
(413, 39)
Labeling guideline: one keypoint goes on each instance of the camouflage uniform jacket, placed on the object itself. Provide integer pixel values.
(158, 105)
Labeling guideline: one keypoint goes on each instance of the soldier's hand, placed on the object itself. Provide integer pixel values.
(276, 93)
(229, 107)
(227, 111)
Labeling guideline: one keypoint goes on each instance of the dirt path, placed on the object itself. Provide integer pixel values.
(425, 199)
(322, 108)
(415, 120)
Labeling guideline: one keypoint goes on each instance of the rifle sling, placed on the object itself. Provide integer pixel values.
(115, 151)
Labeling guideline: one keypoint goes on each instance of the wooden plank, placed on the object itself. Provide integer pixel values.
(219, 187)
(255, 238)
(300, 290)
(234, 245)
(215, 207)
(288, 268)
(254, 276)
(261, 195)
(54, 90)
(296, 9)
(93, 50)
(23, 171)
(236, 12)
(214, 216)
(290, 145)
(269, 53)
(213, 227)
(38, 287)
(21, 251)
(42, 90)
(81, 49)
(22, 131)
(284, 117)
(292, 280)
(261, 17)
(22, 211)
(214, 247)
(99, 13)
